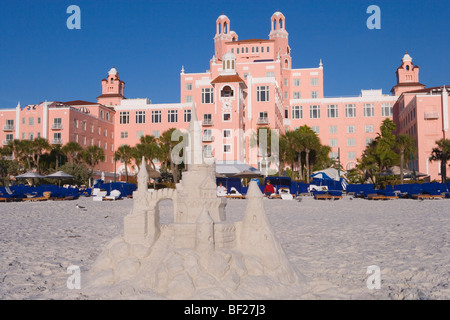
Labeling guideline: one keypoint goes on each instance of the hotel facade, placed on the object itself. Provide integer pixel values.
(250, 84)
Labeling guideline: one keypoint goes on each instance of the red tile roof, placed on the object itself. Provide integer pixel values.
(80, 103)
(228, 78)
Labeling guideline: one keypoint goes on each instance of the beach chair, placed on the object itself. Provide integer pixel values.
(234, 194)
(285, 194)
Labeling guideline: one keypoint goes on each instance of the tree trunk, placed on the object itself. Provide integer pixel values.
(444, 168)
(126, 172)
(402, 160)
(307, 165)
(300, 168)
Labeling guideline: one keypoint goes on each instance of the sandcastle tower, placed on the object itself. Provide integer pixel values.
(200, 255)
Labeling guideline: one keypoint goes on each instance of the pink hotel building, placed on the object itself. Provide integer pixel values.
(249, 84)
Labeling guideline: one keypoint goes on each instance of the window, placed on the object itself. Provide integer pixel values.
(75, 137)
(23, 135)
(188, 99)
(351, 142)
(57, 136)
(75, 123)
(84, 140)
(107, 115)
(227, 148)
(350, 129)
(333, 142)
(369, 128)
(23, 120)
(140, 116)
(123, 135)
(207, 150)
(297, 95)
(332, 111)
(105, 133)
(9, 137)
(314, 94)
(172, 116)
(332, 129)
(237, 50)
(226, 92)
(314, 81)
(139, 134)
(368, 110)
(285, 82)
(270, 74)
(296, 82)
(39, 120)
(30, 136)
(268, 49)
(227, 117)
(262, 93)
(351, 155)
(227, 133)
(262, 49)
(101, 114)
(368, 141)
(286, 95)
(297, 112)
(386, 109)
(286, 112)
(156, 116)
(156, 133)
(350, 110)
(333, 155)
(207, 95)
(38, 135)
(187, 115)
(31, 121)
(124, 117)
(188, 86)
(314, 112)
(316, 129)
(84, 125)
(92, 128)
(207, 135)
(105, 146)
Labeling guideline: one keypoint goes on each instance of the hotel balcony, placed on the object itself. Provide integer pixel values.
(5, 142)
(56, 126)
(8, 127)
(207, 122)
(263, 120)
(56, 141)
(208, 138)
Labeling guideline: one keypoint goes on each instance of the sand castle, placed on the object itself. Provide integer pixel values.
(200, 255)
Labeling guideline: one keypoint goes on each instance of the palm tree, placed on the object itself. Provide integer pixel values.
(92, 155)
(38, 147)
(309, 142)
(72, 150)
(405, 145)
(441, 153)
(148, 148)
(166, 146)
(287, 150)
(125, 153)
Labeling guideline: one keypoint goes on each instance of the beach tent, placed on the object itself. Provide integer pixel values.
(330, 174)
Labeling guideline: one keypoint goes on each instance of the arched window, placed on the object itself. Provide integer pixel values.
(225, 28)
(286, 63)
(281, 23)
(226, 92)
(228, 64)
(223, 64)
(112, 80)
(232, 64)
(274, 24)
(220, 28)
(407, 68)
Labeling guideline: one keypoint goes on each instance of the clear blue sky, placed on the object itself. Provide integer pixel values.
(149, 41)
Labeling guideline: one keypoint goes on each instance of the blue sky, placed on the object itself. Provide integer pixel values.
(149, 41)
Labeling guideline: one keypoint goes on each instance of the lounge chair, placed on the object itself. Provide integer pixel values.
(234, 194)
(285, 194)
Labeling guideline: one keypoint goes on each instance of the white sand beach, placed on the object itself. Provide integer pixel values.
(332, 243)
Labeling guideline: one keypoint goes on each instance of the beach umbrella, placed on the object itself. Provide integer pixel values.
(29, 175)
(248, 174)
(60, 175)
